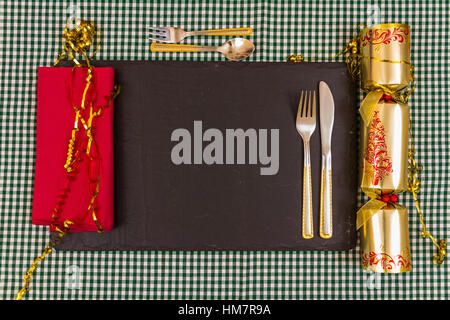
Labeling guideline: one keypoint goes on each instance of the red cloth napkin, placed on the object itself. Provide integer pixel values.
(56, 87)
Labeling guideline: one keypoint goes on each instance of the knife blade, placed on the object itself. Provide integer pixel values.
(326, 128)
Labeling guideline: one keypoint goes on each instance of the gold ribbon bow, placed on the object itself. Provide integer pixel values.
(79, 40)
(371, 207)
(367, 211)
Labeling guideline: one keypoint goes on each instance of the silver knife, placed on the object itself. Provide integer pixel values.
(326, 128)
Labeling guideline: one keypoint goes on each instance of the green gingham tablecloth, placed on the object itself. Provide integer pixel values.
(30, 37)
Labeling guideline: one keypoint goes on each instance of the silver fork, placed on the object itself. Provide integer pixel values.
(306, 124)
(175, 35)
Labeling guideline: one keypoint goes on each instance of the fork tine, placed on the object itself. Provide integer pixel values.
(314, 105)
(300, 107)
(157, 34)
(158, 29)
(158, 37)
(165, 40)
(305, 105)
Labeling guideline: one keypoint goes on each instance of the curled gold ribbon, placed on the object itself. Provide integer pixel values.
(77, 40)
(414, 184)
(47, 250)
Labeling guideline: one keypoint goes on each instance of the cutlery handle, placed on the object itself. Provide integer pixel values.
(223, 32)
(326, 209)
(307, 229)
(168, 47)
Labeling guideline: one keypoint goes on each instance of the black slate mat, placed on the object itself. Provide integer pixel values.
(163, 206)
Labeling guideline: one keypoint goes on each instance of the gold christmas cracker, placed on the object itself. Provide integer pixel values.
(387, 75)
(379, 56)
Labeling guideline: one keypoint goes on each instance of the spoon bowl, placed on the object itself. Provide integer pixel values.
(237, 49)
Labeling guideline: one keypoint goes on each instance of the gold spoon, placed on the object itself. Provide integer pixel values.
(234, 49)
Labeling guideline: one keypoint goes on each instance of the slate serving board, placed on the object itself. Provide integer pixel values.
(163, 206)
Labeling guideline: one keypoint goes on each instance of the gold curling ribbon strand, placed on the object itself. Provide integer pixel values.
(89, 129)
(47, 250)
(66, 226)
(414, 184)
(88, 126)
(114, 93)
(92, 114)
(412, 80)
(86, 88)
(296, 58)
(91, 206)
(70, 147)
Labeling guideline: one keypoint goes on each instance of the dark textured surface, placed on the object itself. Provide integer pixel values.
(161, 206)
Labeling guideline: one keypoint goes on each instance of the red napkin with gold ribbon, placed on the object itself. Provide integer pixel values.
(76, 188)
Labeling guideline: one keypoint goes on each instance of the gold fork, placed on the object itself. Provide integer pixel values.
(306, 124)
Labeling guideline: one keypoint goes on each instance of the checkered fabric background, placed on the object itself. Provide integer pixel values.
(30, 37)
